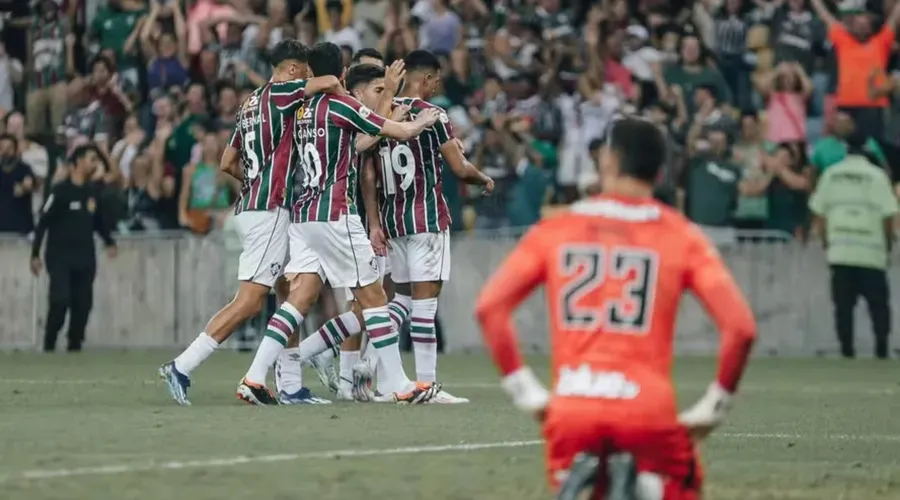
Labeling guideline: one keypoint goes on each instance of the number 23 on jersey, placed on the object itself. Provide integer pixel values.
(607, 289)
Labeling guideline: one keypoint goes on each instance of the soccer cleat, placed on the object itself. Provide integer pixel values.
(445, 398)
(255, 394)
(324, 365)
(421, 393)
(302, 397)
(176, 382)
(361, 387)
(345, 390)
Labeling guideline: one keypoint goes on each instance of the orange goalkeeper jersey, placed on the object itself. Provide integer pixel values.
(614, 271)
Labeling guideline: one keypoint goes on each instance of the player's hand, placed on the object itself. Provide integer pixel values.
(400, 112)
(707, 413)
(112, 251)
(379, 241)
(36, 266)
(488, 184)
(429, 116)
(393, 77)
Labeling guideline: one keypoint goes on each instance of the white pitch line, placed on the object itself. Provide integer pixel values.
(104, 470)
(116, 469)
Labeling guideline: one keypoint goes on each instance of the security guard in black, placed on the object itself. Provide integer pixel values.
(69, 218)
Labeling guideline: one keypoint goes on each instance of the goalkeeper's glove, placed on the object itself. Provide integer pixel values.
(526, 391)
(707, 413)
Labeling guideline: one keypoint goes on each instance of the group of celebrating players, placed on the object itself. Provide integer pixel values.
(328, 132)
(614, 266)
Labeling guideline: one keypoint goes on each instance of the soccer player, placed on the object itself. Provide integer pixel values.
(614, 269)
(262, 219)
(327, 239)
(375, 88)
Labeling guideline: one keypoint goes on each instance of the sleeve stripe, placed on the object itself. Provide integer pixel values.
(356, 113)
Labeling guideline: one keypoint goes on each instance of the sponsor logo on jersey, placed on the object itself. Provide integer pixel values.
(583, 381)
(91, 205)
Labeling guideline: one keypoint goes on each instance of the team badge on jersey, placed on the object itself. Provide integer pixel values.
(364, 112)
(91, 205)
(275, 268)
(444, 118)
(374, 264)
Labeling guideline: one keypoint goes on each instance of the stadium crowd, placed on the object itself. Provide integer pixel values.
(754, 96)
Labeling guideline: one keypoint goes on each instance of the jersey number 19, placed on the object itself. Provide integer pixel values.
(399, 160)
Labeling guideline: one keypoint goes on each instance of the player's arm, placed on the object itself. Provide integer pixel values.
(230, 162)
(714, 287)
(289, 95)
(462, 168)
(49, 212)
(370, 200)
(522, 271)
(346, 112)
(392, 81)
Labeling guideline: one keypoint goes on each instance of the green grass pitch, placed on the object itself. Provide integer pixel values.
(100, 426)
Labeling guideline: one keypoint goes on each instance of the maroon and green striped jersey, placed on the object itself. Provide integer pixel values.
(410, 173)
(324, 140)
(265, 118)
(48, 53)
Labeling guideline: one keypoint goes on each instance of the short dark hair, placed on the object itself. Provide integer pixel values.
(367, 52)
(421, 59)
(106, 61)
(640, 146)
(9, 137)
(326, 59)
(361, 74)
(81, 151)
(288, 50)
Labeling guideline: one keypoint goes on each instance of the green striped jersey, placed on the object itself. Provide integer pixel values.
(265, 118)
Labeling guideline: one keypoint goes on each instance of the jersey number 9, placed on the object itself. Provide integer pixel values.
(398, 161)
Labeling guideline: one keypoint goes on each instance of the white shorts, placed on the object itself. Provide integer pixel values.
(420, 257)
(574, 162)
(263, 245)
(383, 270)
(339, 251)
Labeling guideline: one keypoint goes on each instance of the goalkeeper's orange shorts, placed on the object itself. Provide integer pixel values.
(664, 452)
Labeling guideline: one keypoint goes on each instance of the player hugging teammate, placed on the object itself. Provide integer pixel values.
(314, 130)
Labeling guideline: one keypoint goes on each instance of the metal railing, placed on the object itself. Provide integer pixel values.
(162, 289)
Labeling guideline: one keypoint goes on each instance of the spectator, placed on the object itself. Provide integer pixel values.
(206, 192)
(858, 52)
(492, 158)
(86, 120)
(52, 60)
(441, 29)
(142, 194)
(31, 153)
(338, 32)
(786, 184)
(854, 210)
(128, 147)
(166, 52)
(16, 185)
(11, 73)
(691, 72)
(115, 27)
(369, 17)
(833, 148)
(711, 179)
(198, 21)
(796, 33)
(730, 26)
(105, 88)
(786, 90)
(750, 153)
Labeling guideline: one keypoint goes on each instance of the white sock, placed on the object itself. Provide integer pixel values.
(289, 371)
(332, 334)
(283, 323)
(201, 348)
(424, 338)
(399, 308)
(348, 359)
(384, 338)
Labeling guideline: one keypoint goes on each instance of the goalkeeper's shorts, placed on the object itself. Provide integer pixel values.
(665, 456)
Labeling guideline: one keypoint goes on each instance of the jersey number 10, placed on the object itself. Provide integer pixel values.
(312, 165)
(399, 160)
(588, 269)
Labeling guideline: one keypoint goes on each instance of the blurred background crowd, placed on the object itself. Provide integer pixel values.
(755, 97)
